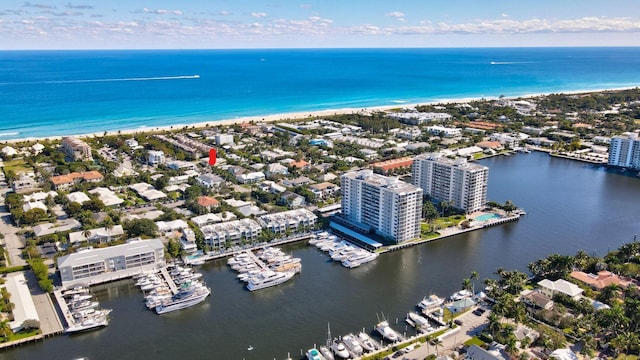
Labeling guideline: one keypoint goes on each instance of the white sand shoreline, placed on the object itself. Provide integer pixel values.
(298, 115)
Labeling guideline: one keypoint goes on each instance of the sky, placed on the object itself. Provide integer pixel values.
(232, 24)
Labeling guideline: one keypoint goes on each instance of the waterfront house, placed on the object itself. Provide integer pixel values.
(461, 305)
(551, 288)
(230, 232)
(536, 300)
(603, 279)
(293, 220)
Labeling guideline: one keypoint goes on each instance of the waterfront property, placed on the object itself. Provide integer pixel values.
(462, 184)
(624, 151)
(292, 220)
(389, 206)
(95, 266)
(24, 309)
(76, 148)
(230, 232)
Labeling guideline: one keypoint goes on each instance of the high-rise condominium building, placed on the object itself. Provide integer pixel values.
(390, 206)
(462, 184)
(624, 151)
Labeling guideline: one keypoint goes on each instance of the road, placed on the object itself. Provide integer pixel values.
(471, 326)
(12, 242)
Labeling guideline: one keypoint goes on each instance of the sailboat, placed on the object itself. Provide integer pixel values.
(325, 349)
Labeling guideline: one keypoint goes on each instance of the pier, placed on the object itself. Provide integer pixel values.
(169, 280)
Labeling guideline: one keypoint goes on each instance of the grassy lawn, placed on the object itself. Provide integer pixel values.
(445, 222)
(474, 341)
(18, 166)
(23, 335)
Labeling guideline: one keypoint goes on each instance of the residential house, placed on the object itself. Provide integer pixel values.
(299, 181)
(250, 177)
(603, 279)
(271, 187)
(292, 200)
(300, 164)
(276, 169)
(210, 180)
(537, 300)
(551, 288)
(155, 157)
(24, 184)
(324, 190)
(97, 235)
(208, 202)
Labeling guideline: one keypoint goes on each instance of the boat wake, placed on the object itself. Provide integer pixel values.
(154, 78)
(9, 134)
(509, 62)
(399, 101)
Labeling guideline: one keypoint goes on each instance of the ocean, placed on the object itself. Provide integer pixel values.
(54, 93)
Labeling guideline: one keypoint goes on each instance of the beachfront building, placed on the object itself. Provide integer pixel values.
(95, 266)
(76, 148)
(389, 206)
(231, 233)
(155, 157)
(293, 220)
(624, 151)
(462, 184)
(419, 118)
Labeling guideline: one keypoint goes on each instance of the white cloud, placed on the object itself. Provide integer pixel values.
(396, 14)
(162, 11)
(259, 14)
(504, 15)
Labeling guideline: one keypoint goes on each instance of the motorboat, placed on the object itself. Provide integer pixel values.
(87, 323)
(352, 344)
(462, 294)
(367, 342)
(386, 331)
(417, 321)
(314, 354)
(186, 298)
(326, 352)
(339, 349)
(268, 278)
(359, 259)
(430, 303)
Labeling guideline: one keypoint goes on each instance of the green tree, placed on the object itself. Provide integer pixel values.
(5, 329)
(139, 227)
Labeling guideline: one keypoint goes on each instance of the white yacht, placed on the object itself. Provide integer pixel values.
(462, 294)
(339, 349)
(352, 344)
(184, 299)
(268, 278)
(359, 259)
(431, 303)
(87, 323)
(417, 321)
(367, 342)
(386, 331)
(326, 353)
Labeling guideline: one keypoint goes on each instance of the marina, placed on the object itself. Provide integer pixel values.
(270, 268)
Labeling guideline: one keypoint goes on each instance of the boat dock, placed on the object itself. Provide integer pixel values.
(258, 262)
(64, 307)
(169, 280)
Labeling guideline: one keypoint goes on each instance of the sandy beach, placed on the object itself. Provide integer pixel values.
(301, 115)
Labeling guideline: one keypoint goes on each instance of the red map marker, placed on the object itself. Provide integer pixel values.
(212, 157)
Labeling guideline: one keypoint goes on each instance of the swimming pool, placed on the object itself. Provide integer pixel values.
(485, 217)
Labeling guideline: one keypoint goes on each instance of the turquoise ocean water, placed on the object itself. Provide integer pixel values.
(51, 93)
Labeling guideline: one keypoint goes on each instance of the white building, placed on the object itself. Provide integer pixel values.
(230, 232)
(624, 151)
(462, 184)
(444, 131)
(107, 196)
(293, 220)
(95, 266)
(222, 139)
(390, 206)
(155, 157)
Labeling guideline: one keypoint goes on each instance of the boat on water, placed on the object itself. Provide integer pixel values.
(86, 324)
(462, 294)
(339, 349)
(418, 321)
(359, 259)
(268, 278)
(367, 342)
(431, 302)
(191, 296)
(314, 354)
(76, 290)
(386, 331)
(326, 353)
(352, 344)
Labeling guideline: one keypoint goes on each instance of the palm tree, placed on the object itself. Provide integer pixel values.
(494, 323)
(474, 276)
(436, 342)
(86, 233)
(466, 284)
(108, 226)
(5, 329)
(609, 292)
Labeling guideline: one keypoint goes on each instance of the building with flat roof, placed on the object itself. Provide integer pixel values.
(76, 148)
(95, 266)
(155, 157)
(457, 181)
(293, 220)
(624, 151)
(391, 207)
(230, 232)
(24, 309)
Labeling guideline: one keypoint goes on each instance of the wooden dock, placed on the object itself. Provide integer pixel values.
(169, 280)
